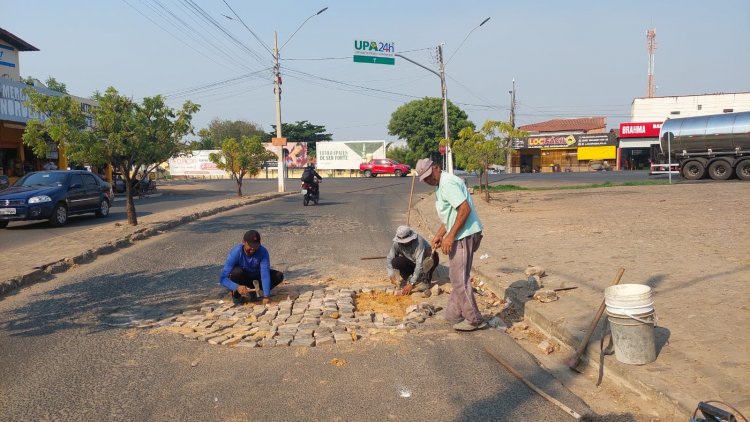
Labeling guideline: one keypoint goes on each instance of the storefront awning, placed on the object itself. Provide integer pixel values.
(638, 142)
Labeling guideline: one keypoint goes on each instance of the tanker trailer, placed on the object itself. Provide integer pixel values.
(717, 145)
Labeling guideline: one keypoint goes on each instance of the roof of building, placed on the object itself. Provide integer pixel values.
(561, 125)
(16, 42)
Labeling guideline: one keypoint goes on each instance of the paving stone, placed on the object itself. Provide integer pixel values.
(232, 341)
(247, 343)
(342, 337)
(322, 332)
(303, 342)
(217, 340)
(294, 319)
(304, 332)
(283, 341)
(192, 336)
(268, 342)
(391, 321)
(308, 326)
(206, 309)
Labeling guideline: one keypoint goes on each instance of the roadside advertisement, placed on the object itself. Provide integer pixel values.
(640, 130)
(595, 140)
(376, 52)
(347, 155)
(195, 164)
(13, 101)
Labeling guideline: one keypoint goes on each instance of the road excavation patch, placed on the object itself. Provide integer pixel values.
(315, 318)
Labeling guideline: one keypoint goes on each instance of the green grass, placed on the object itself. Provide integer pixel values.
(508, 188)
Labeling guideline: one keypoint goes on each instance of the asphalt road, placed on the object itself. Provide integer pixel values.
(62, 359)
(182, 193)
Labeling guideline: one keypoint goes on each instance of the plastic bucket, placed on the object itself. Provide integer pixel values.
(629, 299)
(633, 337)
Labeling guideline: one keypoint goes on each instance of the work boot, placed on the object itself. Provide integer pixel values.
(466, 326)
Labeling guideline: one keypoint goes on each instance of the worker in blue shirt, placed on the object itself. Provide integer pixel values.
(247, 271)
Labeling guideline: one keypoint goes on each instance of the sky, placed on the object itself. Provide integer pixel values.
(569, 59)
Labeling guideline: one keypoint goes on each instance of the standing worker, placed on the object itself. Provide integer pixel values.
(458, 237)
(414, 259)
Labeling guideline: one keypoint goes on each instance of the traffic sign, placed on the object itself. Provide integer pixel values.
(374, 52)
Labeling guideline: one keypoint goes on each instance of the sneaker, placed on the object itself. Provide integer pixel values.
(420, 287)
(452, 321)
(466, 326)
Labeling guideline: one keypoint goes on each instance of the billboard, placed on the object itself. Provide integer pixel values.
(195, 164)
(347, 155)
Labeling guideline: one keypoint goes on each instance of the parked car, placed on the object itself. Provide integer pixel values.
(384, 166)
(55, 195)
(4, 182)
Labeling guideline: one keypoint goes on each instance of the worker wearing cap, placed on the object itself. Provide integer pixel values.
(458, 237)
(414, 259)
(248, 268)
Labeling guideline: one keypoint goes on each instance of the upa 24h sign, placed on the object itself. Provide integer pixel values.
(378, 52)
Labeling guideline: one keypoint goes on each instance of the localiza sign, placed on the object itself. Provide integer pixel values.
(378, 52)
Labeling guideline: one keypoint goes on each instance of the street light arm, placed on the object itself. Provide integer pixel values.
(420, 65)
(300, 27)
(466, 38)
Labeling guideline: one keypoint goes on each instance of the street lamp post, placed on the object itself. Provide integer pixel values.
(277, 86)
(444, 93)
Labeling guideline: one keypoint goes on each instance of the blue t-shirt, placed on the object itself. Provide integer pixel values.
(259, 262)
(450, 193)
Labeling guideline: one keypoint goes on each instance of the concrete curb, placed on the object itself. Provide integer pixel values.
(47, 271)
(613, 372)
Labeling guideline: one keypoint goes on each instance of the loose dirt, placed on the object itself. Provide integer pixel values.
(381, 302)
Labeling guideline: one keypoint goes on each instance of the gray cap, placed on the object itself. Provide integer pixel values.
(424, 168)
(404, 234)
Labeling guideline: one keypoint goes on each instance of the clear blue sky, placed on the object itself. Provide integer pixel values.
(569, 59)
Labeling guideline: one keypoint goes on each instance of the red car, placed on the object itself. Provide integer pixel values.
(384, 166)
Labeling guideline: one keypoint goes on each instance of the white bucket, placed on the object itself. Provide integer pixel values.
(629, 299)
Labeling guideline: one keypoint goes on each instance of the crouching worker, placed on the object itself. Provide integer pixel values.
(247, 271)
(414, 259)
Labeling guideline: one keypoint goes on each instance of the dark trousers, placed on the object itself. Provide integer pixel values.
(406, 268)
(245, 278)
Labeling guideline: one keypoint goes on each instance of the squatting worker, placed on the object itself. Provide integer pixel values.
(458, 237)
(414, 259)
(248, 268)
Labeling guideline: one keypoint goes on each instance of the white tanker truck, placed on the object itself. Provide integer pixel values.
(717, 145)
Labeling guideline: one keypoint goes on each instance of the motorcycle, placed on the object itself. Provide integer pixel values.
(310, 193)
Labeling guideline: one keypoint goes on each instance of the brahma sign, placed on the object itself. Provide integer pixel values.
(640, 130)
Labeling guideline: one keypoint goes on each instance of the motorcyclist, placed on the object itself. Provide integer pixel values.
(312, 178)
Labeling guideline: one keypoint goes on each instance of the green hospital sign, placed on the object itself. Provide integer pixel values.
(374, 52)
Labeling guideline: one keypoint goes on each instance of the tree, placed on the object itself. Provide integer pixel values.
(400, 154)
(218, 130)
(134, 138)
(240, 158)
(64, 121)
(477, 151)
(303, 131)
(420, 123)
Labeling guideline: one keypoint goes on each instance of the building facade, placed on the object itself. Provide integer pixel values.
(15, 158)
(639, 138)
(564, 145)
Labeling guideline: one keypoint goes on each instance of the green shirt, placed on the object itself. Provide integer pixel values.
(450, 193)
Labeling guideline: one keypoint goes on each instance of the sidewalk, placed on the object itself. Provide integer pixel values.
(28, 264)
(668, 237)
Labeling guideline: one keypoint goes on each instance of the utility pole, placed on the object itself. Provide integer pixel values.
(651, 37)
(444, 89)
(277, 91)
(509, 158)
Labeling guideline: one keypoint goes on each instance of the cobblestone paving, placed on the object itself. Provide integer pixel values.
(315, 318)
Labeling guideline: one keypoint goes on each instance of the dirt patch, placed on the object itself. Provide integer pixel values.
(381, 302)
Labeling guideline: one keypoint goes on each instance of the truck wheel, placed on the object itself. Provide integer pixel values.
(368, 173)
(743, 170)
(693, 170)
(397, 173)
(720, 170)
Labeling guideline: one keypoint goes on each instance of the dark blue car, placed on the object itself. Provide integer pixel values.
(55, 195)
